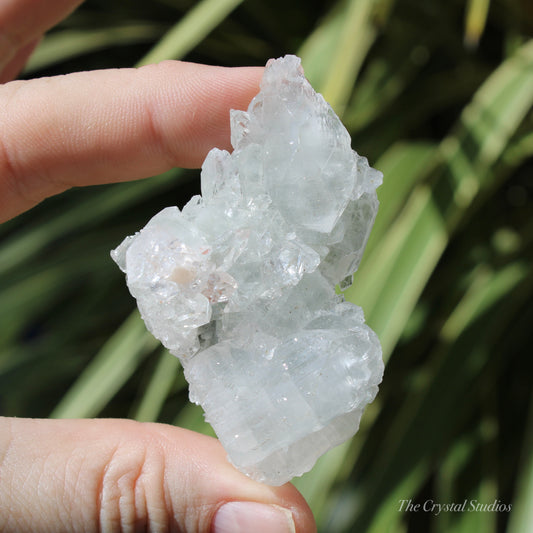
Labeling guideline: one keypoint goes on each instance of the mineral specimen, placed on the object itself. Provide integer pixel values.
(240, 284)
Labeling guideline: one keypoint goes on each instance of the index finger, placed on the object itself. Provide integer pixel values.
(113, 125)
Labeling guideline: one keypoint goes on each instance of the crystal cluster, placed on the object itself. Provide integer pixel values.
(240, 284)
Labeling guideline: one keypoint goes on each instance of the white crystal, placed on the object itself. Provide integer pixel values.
(240, 284)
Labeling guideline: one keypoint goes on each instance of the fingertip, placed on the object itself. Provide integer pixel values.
(242, 517)
(215, 482)
(193, 115)
(292, 499)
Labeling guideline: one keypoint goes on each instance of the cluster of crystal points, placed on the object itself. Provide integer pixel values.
(240, 284)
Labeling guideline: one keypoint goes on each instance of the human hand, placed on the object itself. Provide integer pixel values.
(98, 127)
(111, 125)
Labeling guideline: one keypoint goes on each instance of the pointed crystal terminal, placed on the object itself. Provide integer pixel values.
(240, 284)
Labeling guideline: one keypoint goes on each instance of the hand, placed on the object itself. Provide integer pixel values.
(97, 127)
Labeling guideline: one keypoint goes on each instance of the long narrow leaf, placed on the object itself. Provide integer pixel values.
(413, 247)
(28, 242)
(161, 382)
(430, 415)
(340, 48)
(190, 30)
(68, 44)
(108, 371)
(522, 512)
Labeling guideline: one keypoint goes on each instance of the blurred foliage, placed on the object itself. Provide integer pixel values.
(438, 95)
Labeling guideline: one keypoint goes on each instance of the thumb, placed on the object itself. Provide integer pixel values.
(120, 475)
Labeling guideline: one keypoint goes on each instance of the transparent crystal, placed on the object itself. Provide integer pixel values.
(240, 284)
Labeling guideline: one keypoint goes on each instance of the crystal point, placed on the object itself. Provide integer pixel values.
(240, 284)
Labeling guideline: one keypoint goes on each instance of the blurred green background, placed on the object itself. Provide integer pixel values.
(438, 95)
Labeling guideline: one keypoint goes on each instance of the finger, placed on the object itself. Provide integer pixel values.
(17, 62)
(119, 475)
(113, 125)
(22, 21)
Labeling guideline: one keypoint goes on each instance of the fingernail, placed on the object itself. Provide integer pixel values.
(244, 517)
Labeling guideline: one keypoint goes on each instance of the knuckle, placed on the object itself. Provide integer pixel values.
(16, 182)
(131, 488)
(156, 130)
(7, 170)
(162, 127)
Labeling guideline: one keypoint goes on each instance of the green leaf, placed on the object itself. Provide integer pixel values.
(31, 240)
(190, 30)
(391, 278)
(108, 371)
(428, 417)
(69, 44)
(192, 417)
(403, 166)
(160, 384)
(475, 21)
(522, 512)
(334, 54)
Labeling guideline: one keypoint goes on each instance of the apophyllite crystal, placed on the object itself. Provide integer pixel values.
(240, 284)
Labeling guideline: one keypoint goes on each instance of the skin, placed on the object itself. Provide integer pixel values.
(99, 127)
